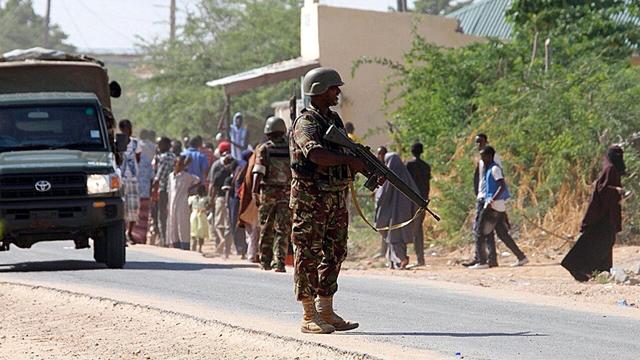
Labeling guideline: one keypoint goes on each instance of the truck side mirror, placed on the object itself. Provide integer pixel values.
(122, 140)
(114, 89)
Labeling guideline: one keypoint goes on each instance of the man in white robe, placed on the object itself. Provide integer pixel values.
(179, 226)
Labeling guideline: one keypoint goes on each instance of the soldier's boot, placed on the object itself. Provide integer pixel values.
(311, 322)
(324, 305)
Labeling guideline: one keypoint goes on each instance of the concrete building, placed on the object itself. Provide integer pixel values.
(337, 37)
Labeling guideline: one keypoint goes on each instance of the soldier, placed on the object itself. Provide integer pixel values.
(321, 174)
(271, 188)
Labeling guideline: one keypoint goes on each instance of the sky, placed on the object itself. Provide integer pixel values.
(118, 25)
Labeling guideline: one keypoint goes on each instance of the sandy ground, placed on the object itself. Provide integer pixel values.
(39, 323)
(542, 276)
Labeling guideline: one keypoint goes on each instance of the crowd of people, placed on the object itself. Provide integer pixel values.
(238, 196)
(181, 193)
(225, 191)
(292, 190)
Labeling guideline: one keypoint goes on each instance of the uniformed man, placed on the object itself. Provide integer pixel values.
(271, 189)
(321, 173)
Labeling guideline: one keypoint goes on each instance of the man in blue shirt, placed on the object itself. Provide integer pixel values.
(494, 214)
(198, 162)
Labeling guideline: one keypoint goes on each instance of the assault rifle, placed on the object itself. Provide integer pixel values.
(376, 169)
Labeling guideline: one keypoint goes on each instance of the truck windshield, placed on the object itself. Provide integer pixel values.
(74, 127)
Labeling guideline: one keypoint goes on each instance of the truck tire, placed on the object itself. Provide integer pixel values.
(100, 249)
(115, 245)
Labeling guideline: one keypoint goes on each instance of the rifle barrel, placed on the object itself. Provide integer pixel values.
(378, 169)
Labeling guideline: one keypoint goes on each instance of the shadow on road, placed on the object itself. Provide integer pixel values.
(75, 265)
(161, 265)
(446, 334)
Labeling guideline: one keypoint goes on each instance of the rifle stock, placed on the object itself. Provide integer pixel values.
(376, 169)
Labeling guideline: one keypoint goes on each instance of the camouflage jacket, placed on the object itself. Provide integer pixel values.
(306, 134)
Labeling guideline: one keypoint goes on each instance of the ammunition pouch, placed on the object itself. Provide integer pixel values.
(338, 173)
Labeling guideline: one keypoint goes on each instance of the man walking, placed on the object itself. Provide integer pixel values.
(494, 213)
(480, 189)
(321, 173)
(271, 189)
(421, 173)
(219, 173)
(164, 161)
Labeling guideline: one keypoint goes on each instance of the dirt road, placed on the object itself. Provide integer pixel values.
(402, 317)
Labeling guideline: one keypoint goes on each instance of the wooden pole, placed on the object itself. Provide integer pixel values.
(172, 22)
(225, 113)
(402, 5)
(47, 17)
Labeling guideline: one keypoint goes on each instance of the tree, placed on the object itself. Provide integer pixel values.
(595, 25)
(220, 38)
(21, 27)
(551, 126)
(438, 7)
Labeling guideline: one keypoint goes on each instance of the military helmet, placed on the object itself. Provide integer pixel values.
(274, 124)
(319, 80)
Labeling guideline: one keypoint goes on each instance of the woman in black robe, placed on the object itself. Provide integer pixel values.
(593, 252)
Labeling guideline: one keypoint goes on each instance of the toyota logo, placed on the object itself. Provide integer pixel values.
(43, 186)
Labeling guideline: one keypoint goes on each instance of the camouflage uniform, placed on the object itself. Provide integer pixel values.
(318, 200)
(272, 160)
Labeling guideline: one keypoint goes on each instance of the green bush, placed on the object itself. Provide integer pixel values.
(551, 127)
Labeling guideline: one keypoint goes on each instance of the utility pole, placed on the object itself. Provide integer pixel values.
(402, 6)
(47, 16)
(172, 22)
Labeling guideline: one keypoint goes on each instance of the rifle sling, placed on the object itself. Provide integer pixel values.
(384, 228)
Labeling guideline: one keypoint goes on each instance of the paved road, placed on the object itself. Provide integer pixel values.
(419, 316)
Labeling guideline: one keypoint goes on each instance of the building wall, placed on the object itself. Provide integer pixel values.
(340, 36)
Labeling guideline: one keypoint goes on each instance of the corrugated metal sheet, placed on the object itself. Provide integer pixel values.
(626, 17)
(488, 18)
(484, 18)
(270, 74)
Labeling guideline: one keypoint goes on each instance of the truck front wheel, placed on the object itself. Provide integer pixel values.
(100, 248)
(115, 245)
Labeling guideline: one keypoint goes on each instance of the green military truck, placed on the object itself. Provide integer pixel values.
(58, 174)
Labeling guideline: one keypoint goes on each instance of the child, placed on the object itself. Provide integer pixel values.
(199, 226)
(180, 181)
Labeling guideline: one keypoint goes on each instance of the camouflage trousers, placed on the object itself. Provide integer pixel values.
(275, 231)
(319, 236)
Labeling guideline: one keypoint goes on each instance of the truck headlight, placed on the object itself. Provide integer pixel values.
(102, 184)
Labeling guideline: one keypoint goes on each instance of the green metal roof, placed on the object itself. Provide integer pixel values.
(488, 18)
(484, 18)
